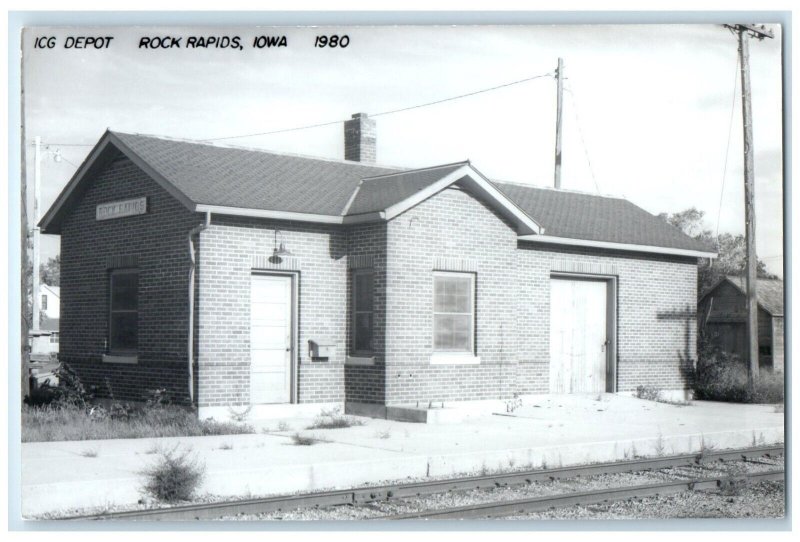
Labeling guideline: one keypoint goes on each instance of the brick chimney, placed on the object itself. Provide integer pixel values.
(359, 139)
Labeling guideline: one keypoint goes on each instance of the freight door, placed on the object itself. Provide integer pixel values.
(271, 339)
(578, 335)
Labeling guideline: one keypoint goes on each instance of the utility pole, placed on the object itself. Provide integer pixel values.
(559, 100)
(37, 177)
(744, 32)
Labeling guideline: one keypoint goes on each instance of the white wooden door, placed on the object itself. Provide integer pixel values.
(578, 338)
(270, 339)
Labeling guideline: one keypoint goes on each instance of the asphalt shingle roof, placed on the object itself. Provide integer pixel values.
(768, 291)
(234, 177)
(380, 193)
(263, 180)
(597, 218)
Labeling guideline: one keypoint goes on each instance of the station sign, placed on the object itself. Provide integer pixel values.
(120, 209)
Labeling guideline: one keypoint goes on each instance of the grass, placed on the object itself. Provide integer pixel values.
(333, 419)
(56, 423)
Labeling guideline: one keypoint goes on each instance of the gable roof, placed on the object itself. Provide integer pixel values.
(769, 292)
(237, 181)
(378, 193)
(576, 215)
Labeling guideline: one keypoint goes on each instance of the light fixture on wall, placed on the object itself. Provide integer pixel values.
(279, 251)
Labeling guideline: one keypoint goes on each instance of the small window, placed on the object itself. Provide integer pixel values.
(124, 311)
(363, 316)
(44, 302)
(453, 312)
(54, 338)
(765, 350)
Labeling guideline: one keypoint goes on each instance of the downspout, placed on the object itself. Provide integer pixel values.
(190, 345)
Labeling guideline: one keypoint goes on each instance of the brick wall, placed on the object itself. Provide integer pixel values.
(230, 250)
(451, 231)
(656, 314)
(156, 244)
(366, 249)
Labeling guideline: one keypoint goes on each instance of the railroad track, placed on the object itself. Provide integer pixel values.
(538, 504)
(365, 495)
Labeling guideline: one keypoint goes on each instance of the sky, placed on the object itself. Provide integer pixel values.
(649, 110)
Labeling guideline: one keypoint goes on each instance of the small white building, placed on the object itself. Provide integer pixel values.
(44, 342)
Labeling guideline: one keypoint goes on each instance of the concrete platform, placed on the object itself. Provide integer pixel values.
(545, 431)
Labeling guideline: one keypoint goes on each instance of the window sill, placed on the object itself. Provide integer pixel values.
(360, 360)
(454, 358)
(132, 359)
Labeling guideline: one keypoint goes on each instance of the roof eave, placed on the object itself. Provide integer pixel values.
(525, 223)
(628, 247)
(49, 223)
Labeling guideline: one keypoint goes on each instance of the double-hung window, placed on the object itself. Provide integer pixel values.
(453, 312)
(123, 335)
(363, 315)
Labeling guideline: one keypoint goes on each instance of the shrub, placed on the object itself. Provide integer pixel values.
(174, 477)
(723, 377)
(333, 419)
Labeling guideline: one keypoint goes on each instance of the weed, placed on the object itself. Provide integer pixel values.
(659, 446)
(511, 461)
(544, 463)
(706, 448)
(656, 394)
(173, 477)
(154, 449)
(333, 419)
(648, 393)
(89, 452)
(239, 416)
(225, 446)
(300, 440)
(514, 403)
(283, 426)
(157, 398)
(779, 408)
(383, 434)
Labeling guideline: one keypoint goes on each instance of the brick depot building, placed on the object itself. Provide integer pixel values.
(237, 277)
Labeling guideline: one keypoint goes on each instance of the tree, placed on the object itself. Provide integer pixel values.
(731, 249)
(50, 272)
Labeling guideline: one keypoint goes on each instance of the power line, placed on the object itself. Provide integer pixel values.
(389, 112)
(728, 144)
(48, 144)
(550, 74)
(70, 162)
(583, 141)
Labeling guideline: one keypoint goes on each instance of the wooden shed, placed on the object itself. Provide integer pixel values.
(723, 315)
